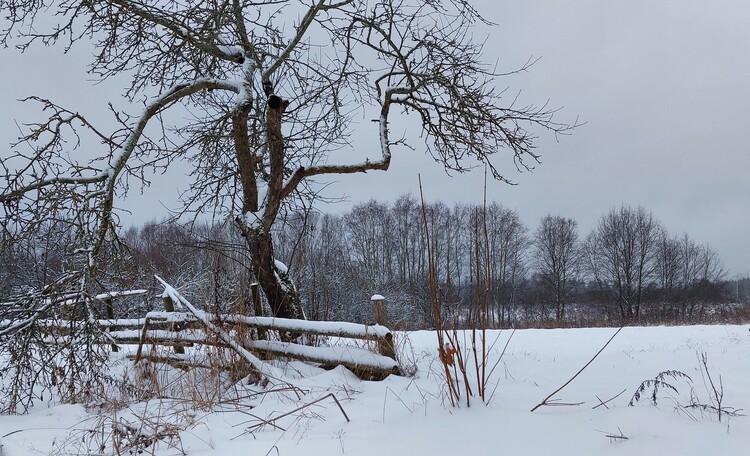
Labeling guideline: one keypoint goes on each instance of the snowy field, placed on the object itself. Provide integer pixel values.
(411, 415)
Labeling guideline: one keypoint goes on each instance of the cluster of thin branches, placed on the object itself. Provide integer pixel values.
(35, 362)
(456, 359)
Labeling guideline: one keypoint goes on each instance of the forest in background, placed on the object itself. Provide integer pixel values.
(628, 269)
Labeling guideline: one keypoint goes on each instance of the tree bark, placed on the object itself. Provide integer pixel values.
(280, 292)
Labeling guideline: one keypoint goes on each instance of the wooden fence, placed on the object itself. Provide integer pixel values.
(181, 325)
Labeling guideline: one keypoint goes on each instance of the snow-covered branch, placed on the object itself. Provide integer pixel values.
(36, 305)
(382, 164)
(106, 180)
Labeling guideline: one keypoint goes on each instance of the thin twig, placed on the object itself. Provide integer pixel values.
(619, 436)
(546, 399)
(604, 403)
(271, 421)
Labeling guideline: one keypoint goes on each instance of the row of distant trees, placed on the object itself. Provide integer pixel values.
(629, 268)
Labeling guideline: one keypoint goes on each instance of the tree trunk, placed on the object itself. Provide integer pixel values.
(280, 292)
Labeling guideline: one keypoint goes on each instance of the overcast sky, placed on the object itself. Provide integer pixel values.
(664, 89)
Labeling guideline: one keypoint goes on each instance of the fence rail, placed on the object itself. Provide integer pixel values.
(181, 325)
(182, 329)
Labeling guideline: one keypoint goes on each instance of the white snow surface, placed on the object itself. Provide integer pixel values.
(281, 267)
(406, 416)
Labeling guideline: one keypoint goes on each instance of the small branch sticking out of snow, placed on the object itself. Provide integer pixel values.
(547, 400)
(271, 421)
(615, 437)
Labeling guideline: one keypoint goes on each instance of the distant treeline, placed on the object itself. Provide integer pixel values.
(628, 269)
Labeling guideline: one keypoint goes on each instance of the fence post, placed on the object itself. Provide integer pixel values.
(258, 308)
(169, 307)
(111, 316)
(385, 345)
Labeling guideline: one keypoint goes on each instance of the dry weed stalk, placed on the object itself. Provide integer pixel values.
(453, 355)
(445, 350)
(716, 394)
(548, 401)
(654, 384)
(272, 421)
(128, 431)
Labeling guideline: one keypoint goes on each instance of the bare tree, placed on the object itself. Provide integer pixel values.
(410, 244)
(329, 267)
(268, 87)
(368, 232)
(558, 259)
(699, 270)
(507, 243)
(667, 271)
(620, 256)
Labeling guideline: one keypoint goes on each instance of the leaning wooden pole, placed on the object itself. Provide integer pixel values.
(265, 369)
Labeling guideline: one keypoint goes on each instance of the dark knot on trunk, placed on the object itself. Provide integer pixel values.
(274, 102)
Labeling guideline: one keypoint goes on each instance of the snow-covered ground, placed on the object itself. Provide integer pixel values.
(411, 415)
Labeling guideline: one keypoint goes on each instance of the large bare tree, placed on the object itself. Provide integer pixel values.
(269, 88)
(558, 259)
(687, 273)
(621, 255)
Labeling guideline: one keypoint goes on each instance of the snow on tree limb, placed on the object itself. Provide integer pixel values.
(37, 304)
(107, 179)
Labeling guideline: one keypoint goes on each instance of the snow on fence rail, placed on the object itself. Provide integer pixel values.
(359, 360)
(183, 329)
(323, 328)
(190, 326)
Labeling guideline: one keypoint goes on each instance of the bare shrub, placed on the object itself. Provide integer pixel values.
(715, 404)
(715, 391)
(654, 384)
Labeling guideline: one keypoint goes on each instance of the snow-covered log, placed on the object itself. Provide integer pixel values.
(356, 359)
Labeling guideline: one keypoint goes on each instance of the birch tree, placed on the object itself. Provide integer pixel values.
(269, 89)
